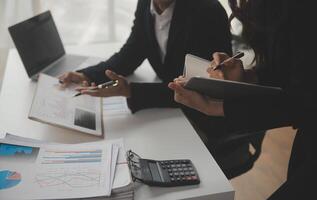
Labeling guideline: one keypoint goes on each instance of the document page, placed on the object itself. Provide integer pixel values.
(196, 67)
(56, 171)
(2, 134)
(54, 104)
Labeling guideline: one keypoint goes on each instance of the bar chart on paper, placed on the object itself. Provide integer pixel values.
(64, 157)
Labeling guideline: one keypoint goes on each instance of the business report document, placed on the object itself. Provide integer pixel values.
(39, 170)
(56, 105)
(34, 169)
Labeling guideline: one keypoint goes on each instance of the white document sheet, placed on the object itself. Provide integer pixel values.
(122, 180)
(113, 106)
(2, 134)
(55, 171)
(56, 105)
(196, 67)
(122, 176)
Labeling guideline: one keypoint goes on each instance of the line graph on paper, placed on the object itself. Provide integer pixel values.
(69, 178)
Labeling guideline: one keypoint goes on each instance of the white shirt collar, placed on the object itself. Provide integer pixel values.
(168, 12)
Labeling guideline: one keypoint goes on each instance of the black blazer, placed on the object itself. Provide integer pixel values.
(199, 27)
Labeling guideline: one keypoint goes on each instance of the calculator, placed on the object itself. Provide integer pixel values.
(168, 173)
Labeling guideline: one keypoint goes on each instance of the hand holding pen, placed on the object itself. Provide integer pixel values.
(226, 67)
(118, 86)
(238, 55)
(112, 83)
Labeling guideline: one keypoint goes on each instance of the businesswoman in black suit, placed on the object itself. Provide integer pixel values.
(282, 37)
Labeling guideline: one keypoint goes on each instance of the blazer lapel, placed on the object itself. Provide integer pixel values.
(177, 25)
(149, 22)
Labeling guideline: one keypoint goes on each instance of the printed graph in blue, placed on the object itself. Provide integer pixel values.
(16, 150)
(9, 179)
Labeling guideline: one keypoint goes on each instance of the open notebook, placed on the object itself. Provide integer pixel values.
(55, 105)
(195, 72)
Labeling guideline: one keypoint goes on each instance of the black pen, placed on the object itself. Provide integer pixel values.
(238, 55)
(112, 83)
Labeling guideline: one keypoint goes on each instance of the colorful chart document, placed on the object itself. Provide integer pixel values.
(56, 171)
(56, 105)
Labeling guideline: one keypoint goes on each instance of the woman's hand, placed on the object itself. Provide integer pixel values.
(122, 89)
(195, 100)
(73, 77)
(232, 69)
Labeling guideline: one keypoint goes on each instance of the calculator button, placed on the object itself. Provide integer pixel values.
(180, 169)
(192, 173)
(171, 161)
(189, 178)
(169, 170)
(168, 166)
(178, 179)
(186, 173)
(171, 174)
(183, 165)
(176, 173)
(172, 179)
(182, 173)
(178, 165)
(173, 165)
(185, 168)
(194, 177)
(190, 168)
(184, 179)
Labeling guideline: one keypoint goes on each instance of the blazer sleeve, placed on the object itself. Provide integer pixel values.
(150, 95)
(297, 105)
(130, 56)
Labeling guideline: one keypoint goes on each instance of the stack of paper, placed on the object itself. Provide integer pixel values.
(32, 169)
(122, 187)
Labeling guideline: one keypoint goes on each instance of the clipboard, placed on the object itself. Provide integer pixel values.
(198, 80)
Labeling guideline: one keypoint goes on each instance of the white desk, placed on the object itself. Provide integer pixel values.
(152, 133)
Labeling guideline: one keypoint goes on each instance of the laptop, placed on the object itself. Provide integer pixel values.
(40, 47)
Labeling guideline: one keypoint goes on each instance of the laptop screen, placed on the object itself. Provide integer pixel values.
(38, 42)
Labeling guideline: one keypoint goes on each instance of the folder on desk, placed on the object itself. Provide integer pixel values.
(55, 105)
(199, 81)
